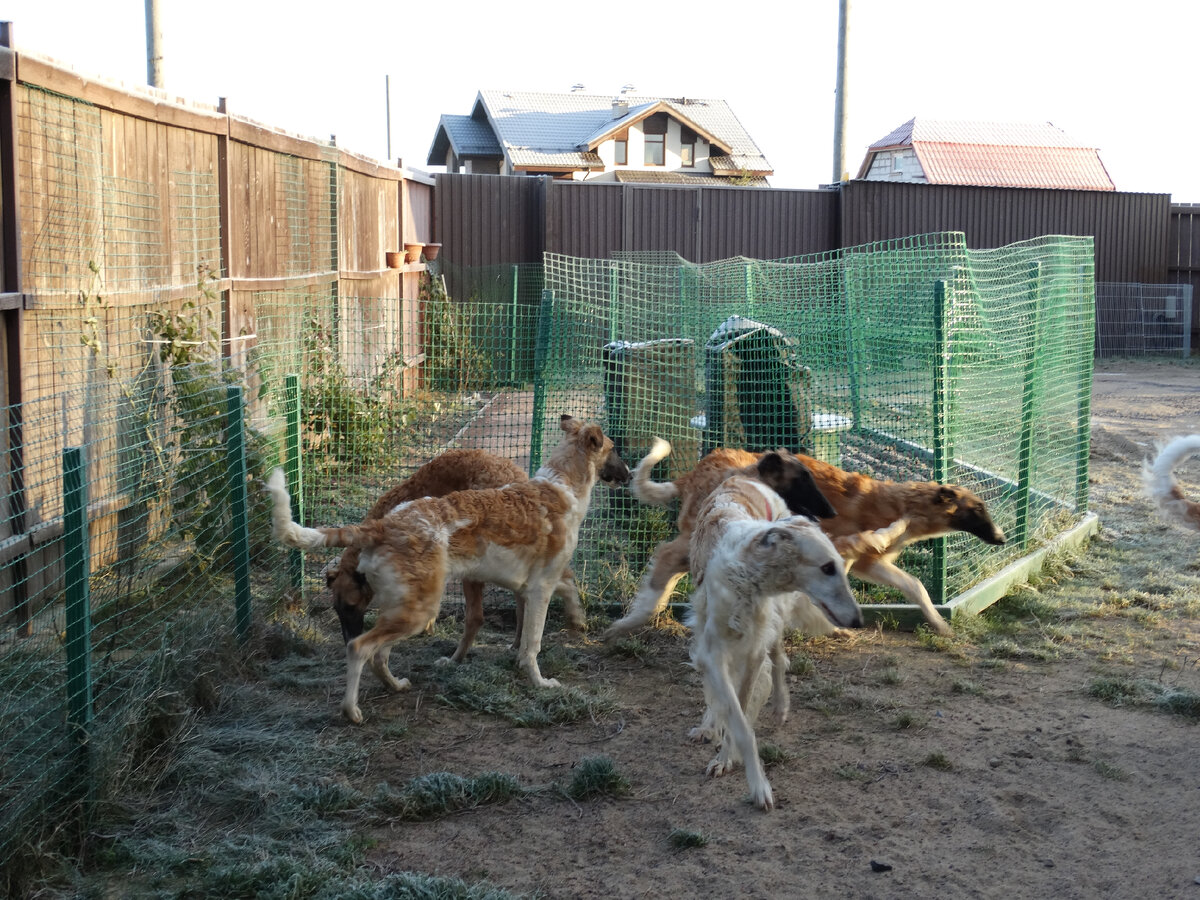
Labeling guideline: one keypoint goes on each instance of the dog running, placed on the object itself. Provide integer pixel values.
(863, 506)
(1163, 488)
(454, 470)
(751, 559)
(520, 536)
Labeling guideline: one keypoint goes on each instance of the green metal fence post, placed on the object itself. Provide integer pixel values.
(235, 463)
(76, 576)
(514, 327)
(293, 468)
(855, 350)
(1087, 363)
(614, 300)
(941, 431)
(1028, 397)
(749, 287)
(541, 350)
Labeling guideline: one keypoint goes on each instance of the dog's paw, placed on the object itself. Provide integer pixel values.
(702, 734)
(719, 765)
(394, 684)
(443, 661)
(940, 625)
(762, 797)
(353, 714)
(547, 683)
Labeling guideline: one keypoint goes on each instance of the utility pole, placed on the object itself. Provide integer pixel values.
(839, 107)
(154, 45)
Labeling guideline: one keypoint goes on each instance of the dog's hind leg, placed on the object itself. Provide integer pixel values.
(669, 564)
(401, 615)
(472, 621)
(879, 571)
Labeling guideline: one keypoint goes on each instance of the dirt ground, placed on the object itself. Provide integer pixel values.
(985, 767)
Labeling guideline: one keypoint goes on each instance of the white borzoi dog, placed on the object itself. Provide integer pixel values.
(750, 559)
(520, 536)
(1164, 489)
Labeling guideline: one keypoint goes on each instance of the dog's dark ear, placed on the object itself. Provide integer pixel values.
(568, 424)
(947, 495)
(771, 465)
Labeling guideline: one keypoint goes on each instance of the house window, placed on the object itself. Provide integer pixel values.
(687, 147)
(654, 131)
(621, 152)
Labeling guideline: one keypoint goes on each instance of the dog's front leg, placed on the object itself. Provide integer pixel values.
(879, 571)
(537, 600)
(569, 594)
(379, 665)
(728, 711)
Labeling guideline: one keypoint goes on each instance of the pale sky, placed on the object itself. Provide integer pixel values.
(1117, 76)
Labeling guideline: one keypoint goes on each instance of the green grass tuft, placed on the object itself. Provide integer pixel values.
(597, 776)
(686, 839)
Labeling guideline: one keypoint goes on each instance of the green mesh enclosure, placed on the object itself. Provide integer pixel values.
(909, 360)
(912, 359)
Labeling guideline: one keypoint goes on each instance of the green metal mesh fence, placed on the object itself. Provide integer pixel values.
(913, 359)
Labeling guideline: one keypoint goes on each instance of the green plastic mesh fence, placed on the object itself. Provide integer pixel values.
(908, 360)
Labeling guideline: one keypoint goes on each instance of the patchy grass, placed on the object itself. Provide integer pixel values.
(441, 793)
(686, 839)
(596, 776)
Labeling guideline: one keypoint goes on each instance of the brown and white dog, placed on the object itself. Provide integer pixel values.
(520, 536)
(865, 507)
(1163, 488)
(750, 559)
(454, 470)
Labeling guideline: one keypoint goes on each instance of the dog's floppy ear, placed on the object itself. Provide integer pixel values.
(592, 437)
(771, 465)
(947, 493)
(568, 423)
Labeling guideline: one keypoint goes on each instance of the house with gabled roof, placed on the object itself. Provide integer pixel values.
(988, 154)
(596, 137)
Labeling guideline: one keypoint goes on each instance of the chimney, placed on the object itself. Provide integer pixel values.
(620, 107)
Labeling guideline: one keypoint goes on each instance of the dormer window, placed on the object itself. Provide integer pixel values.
(687, 147)
(654, 130)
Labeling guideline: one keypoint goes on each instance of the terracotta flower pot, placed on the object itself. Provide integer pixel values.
(395, 259)
(431, 252)
(412, 252)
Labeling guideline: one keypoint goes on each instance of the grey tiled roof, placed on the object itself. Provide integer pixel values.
(467, 137)
(555, 129)
(470, 137)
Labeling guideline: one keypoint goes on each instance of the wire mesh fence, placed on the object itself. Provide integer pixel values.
(1143, 319)
(139, 536)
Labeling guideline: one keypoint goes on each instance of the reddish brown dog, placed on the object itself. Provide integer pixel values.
(454, 470)
(520, 536)
(864, 507)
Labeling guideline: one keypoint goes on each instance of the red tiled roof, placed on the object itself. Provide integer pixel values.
(1031, 154)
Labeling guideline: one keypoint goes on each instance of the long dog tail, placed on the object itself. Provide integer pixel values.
(293, 534)
(1164, 489)
(656, 493)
